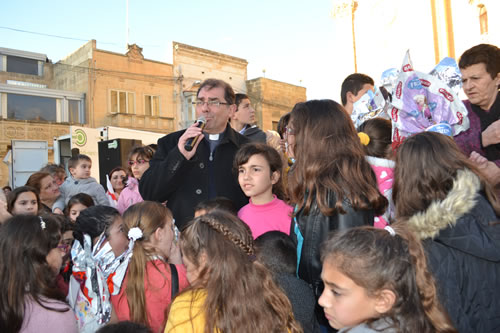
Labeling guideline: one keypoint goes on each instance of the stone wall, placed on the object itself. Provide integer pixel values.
(26, 130)
(272, 99)
(192, 65)
(132, 73)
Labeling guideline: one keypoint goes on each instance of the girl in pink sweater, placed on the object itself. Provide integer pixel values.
(259, 174)
(138, 163)
(375, 135)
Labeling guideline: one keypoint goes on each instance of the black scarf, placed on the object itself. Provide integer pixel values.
(487, 118)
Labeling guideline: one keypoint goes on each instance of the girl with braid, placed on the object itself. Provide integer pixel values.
(230, 291)
(377, 280)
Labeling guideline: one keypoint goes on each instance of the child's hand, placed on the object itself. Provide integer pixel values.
(175, 254)
(478, 159)
(58, 211)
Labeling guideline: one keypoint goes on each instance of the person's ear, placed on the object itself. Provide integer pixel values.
(350, 97)
(158, 234)
(497, 79)
(232, 110)
(233, 115)
(275, 176)
(385, 301)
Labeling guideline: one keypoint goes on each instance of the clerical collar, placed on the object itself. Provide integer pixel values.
(213, 137)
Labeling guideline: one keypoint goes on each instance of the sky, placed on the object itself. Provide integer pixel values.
(293, 40)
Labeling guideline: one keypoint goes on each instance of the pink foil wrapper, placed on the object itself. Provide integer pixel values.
(422, 101)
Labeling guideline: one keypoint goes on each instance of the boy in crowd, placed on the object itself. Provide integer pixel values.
(208, 206)
(80, 182)
(353, 88)
(276, 251)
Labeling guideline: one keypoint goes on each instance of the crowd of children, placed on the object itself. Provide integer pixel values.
(342, 231)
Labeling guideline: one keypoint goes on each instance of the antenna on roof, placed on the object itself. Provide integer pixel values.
(127, 31)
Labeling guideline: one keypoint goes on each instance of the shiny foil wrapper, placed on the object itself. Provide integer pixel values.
(98, 274)
(448, 72)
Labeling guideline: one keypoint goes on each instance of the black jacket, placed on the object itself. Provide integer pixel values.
(463, 252)
(184, 183)
(303, 301)
(255, 134)
(315, 228)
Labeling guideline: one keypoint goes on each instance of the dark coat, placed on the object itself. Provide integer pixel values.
(315, 228)
(184, 183)
(463, 250)
(255, 134)
(302, 298)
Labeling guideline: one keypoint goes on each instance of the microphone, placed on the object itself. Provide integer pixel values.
(200, 122)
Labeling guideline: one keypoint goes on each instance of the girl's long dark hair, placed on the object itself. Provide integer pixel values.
(330, 160)
(376, 260)
(426, 167)
(240, 293)
(24, 271)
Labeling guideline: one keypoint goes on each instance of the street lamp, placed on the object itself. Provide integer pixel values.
(342, 8)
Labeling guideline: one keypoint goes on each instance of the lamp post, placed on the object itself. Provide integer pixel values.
(342, 8)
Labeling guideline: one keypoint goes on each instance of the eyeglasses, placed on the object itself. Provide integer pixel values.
(289, 130)
(214, 104)
(63, 247)
(140, 162)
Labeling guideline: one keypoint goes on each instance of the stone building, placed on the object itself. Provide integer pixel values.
(32, 107)
(121, 90)
(94, 88)
(192, 65)
(272, 99)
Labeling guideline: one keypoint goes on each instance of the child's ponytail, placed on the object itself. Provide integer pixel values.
(145, 217)
(433, 309)
(136, 296)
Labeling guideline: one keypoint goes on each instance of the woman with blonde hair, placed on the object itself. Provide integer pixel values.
(150, 281)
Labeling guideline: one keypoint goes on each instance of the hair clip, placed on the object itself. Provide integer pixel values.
(390, 230)
(364, 138)
(42, 223)
(135, 233)
(252, 257)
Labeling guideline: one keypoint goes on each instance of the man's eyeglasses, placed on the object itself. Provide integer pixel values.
(214, 104)
(140, 162)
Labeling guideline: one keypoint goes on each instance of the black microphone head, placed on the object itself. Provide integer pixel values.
(201, 119)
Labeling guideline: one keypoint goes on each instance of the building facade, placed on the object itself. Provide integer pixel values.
(192, 65)
(273, 99)
(123, 90)
(95, 88)
(32, 106)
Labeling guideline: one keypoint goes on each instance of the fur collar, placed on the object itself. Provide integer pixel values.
(443, 214)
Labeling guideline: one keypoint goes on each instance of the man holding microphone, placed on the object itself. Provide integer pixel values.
(184, 177)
